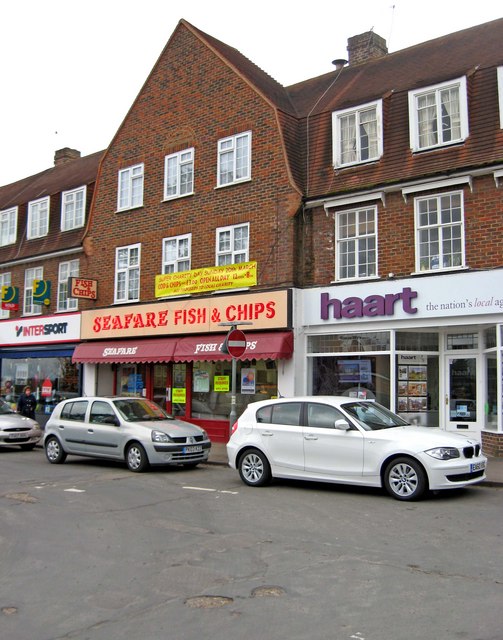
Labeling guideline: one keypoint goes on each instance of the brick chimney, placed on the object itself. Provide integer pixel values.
(62, 156)
(367, 46)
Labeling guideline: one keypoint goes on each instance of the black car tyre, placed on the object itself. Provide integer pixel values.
(254, 468)
(136, 458)
(405, 479)
(28, 447)
(54, 452)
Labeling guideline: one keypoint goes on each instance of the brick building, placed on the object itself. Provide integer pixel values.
(364, 207)
(43, 219)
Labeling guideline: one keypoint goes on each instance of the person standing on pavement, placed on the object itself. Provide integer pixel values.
(27, 403)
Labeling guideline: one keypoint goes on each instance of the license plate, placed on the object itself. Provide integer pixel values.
(16, 436)
(194, 449)
(477, 466)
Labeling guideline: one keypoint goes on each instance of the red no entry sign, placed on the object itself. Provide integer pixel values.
(236, 343)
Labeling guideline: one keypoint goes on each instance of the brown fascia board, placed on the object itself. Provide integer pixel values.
(73, 174)
(423, 64)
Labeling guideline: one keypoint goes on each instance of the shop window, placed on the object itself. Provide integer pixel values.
(460, 341)
(212, 384)
(416, 341)
(352, 376)
(349, 342)
(492, 389)
(490, 338)
(417, 388)
(51, 380)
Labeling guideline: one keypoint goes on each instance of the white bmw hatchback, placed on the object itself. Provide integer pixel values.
(340, 439)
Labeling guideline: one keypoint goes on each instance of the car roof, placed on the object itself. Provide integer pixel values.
(333, 400)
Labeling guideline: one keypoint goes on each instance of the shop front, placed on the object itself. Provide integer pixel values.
(429, 348)
(171, 353)
(37, 352)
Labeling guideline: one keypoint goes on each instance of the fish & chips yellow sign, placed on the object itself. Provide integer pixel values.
(229, 276)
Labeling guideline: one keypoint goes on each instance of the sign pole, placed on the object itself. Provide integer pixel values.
(235, 346)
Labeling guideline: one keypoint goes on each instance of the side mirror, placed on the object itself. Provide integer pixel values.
(342, 425)
(111, 420)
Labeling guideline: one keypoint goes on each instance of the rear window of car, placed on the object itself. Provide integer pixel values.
(284, 413)
(75, 410)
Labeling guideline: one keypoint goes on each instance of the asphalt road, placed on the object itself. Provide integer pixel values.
(91, 551)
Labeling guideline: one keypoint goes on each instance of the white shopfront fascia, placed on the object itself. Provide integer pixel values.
(448, 303)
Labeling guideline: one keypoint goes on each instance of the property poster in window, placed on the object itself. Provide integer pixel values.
(412, 375)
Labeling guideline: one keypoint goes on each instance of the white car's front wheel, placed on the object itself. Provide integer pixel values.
(405, 479)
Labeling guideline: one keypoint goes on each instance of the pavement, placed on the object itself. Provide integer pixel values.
(494, 471)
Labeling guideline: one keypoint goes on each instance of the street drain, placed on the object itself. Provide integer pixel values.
(208, 602)
(267, 592)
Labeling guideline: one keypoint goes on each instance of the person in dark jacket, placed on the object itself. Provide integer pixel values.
(27, 403)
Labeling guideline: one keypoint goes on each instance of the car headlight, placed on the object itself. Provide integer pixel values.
(159, 436)
(443, 453)
(205, 435)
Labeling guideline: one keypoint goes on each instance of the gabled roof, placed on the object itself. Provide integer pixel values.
(423, 64)
(73, 174)
(263, 82)
(64, 177)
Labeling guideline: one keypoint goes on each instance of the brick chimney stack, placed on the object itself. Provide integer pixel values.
(62, 156)
(366, 46)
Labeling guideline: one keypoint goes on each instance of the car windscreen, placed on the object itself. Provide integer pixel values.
(373, 416)
(140, 410)
(5, 407)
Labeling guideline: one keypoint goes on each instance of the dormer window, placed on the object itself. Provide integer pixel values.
(438, 115)
(357, 134)
(38, 219)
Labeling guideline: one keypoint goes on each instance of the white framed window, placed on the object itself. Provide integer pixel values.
(5, 281)
(67, 270)
(232, 244)
(179, 174)
(440, 231)
(35, 273)
(176, 253)
(438, 115)
(38, 218)
(357, 134)
(130, 192)
(8, 226)
(73, 209)
(127, 273)
(234, 159)
(356, 233)
(500, 94)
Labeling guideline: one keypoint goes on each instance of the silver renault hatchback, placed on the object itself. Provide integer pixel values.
(16, 430)
(134, 430)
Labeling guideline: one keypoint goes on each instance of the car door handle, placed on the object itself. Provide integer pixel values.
(90, 431)
(267, 433)
(310, 436)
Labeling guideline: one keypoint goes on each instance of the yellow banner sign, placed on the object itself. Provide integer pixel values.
(229, 276)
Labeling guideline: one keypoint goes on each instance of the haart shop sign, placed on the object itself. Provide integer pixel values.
(438, 296)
